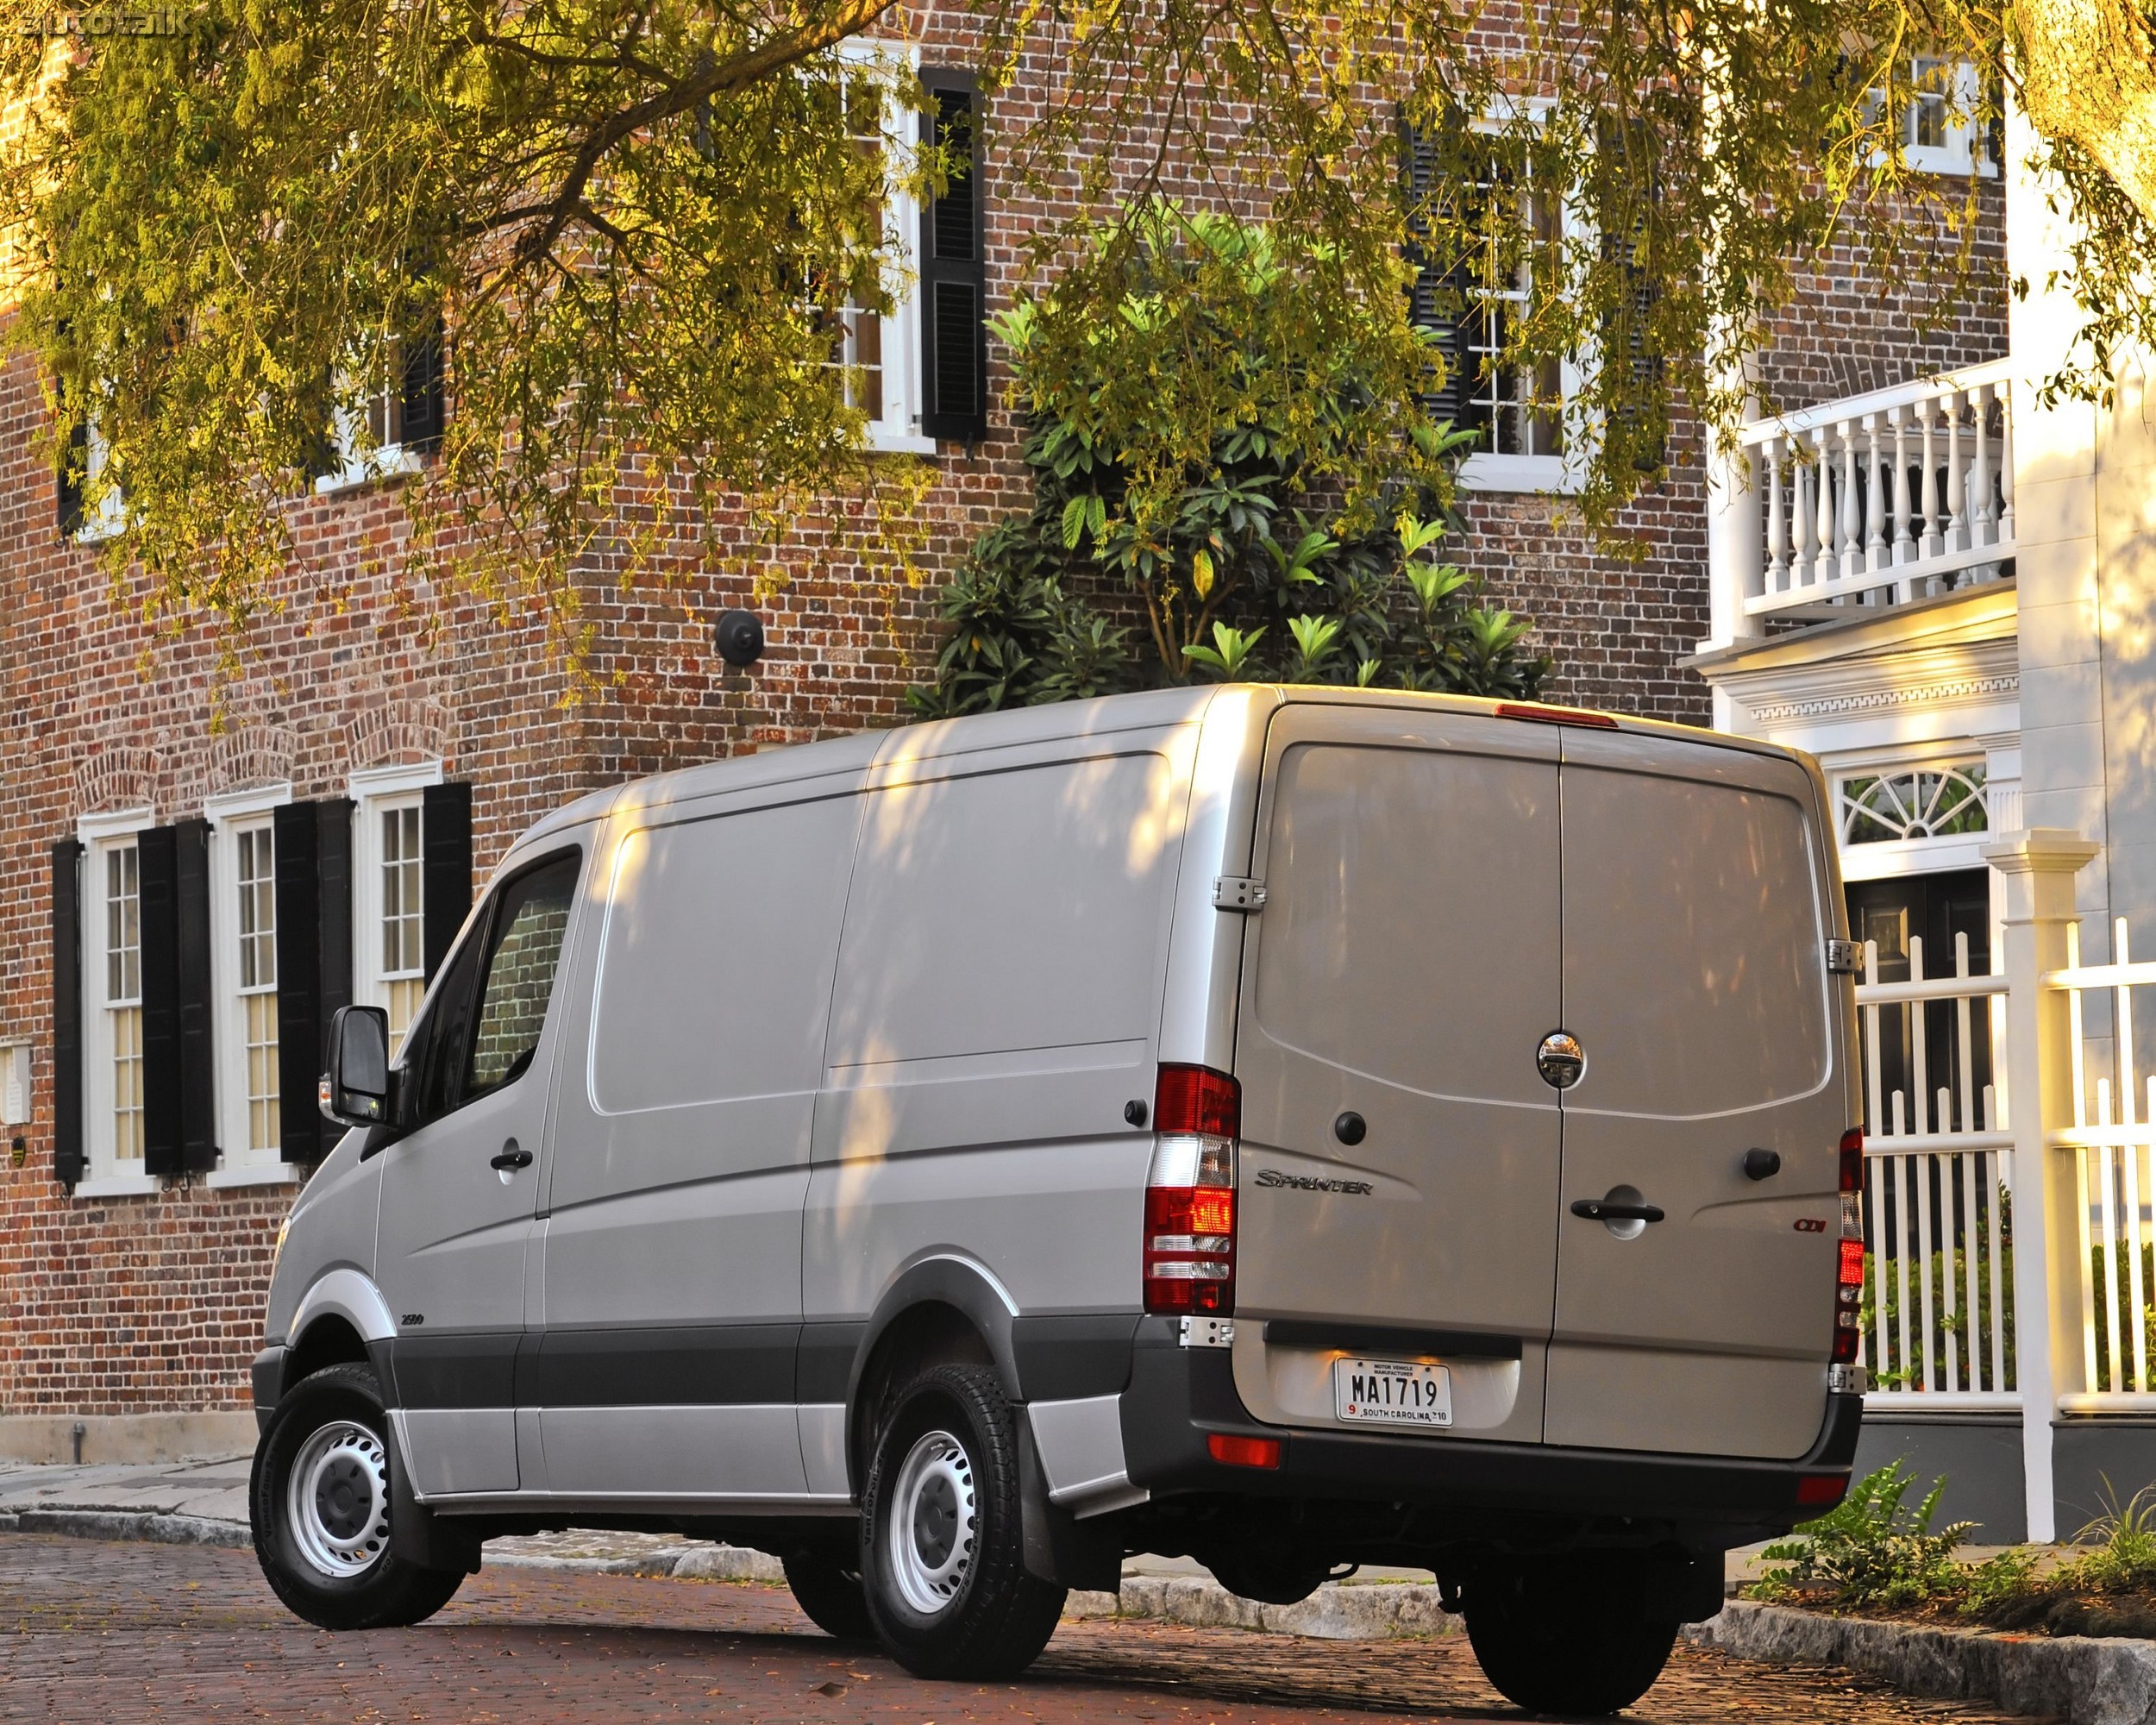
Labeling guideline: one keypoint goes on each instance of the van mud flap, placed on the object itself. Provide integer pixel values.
(1060, 1549)
(416, 1534)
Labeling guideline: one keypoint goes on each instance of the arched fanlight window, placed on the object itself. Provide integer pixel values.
(1931, 803)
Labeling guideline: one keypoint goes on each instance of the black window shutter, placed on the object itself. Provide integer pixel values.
(294, 830)
(157, 854)
(333, 873)
(445, 829)
(67, 1075)
(1438, 296)
(954, 279)
(423, 401)
(197, 1000)
(1623, 238)
(74, 467)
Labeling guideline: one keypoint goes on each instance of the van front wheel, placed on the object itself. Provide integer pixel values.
(319, 1499)
(1567, 1638)
(942, 1544)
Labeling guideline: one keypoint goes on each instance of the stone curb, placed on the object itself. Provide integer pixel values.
(153, 1526)
(2083, 1680)
(1368, 1611)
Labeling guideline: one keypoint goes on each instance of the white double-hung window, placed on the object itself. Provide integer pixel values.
(243, 975)
(880, 353)
(112, 1003)
(388, 924)
(1940, 132)
(1516, 231)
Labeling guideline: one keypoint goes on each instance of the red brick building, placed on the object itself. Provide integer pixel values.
(193, 873)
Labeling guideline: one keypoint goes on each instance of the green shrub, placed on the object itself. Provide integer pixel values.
(1988, 1586)
(1882, 1300)
(2125, 1540)
(1254, 557)
(1870, 1550)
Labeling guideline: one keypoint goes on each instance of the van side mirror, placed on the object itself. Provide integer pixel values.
(355, 1089)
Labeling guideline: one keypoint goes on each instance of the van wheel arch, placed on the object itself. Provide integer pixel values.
(329, 1340)
(941, 1311)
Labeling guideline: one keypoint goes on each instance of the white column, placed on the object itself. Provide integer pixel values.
(2036, 867)
(1736, 568)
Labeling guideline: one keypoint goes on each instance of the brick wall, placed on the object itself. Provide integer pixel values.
(154, 1303)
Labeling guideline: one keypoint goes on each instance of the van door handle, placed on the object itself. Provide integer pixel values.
(511, 1156)
(1609, 1210)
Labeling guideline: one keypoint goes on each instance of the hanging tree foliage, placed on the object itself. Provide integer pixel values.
(636, 218)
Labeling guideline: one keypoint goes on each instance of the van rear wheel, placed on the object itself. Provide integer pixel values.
(942, 1545)
(1568, 1637)
(318, 1495)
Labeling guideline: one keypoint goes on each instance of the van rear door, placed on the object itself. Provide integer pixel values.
(1404, 969)
(1695, 918)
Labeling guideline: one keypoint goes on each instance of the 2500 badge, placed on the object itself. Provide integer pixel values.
(1313, 1183)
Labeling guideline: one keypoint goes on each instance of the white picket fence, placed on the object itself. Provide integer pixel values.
(1962, 1176)
(1939, 1285)
(2112, 1186)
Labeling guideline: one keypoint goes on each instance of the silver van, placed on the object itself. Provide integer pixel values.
(1291, 1128)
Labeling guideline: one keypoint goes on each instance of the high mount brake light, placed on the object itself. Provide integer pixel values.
(1188, 1248)
(1538, 713)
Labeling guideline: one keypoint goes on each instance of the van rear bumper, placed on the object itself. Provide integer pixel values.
(1178, 1397)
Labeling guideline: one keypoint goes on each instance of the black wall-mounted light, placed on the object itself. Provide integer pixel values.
(738, 635)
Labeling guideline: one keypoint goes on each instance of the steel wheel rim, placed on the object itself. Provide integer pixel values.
(933, 1523)
(336, 1502)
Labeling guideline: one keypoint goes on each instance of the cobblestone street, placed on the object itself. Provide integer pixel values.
(98, 1632)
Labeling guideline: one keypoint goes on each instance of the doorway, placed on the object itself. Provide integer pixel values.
(1913, 917)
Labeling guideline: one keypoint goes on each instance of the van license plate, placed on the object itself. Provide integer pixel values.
(1392, 1392)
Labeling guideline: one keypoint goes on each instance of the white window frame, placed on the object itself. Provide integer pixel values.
(371, 792)
(357, 466)
(105, 1174)
(1565, 474)
(109, 519)
(1961, 153)
(14, 1082)
(899, 430)
(240, 1163)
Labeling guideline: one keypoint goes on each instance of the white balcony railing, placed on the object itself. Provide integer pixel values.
(1875, 500)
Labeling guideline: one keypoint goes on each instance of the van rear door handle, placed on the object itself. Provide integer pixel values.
(1609, 1210)
(511, 1156)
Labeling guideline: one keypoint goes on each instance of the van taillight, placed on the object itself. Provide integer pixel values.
(1189, 1245)
(1852, 1184)
(1194, 1099)
(1849, 1275)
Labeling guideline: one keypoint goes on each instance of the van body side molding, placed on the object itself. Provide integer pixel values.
(1386, 1339)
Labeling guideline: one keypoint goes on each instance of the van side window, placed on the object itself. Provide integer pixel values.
(471, 1038)
(524, 947)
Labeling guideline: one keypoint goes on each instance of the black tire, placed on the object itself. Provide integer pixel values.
(827, 1586)
(326, 1553)
(1567, 1638)
(947, 1587)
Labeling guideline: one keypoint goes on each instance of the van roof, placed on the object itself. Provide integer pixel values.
(1020, 726)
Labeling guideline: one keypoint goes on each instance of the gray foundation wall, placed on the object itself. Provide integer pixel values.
(1980, 1455)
